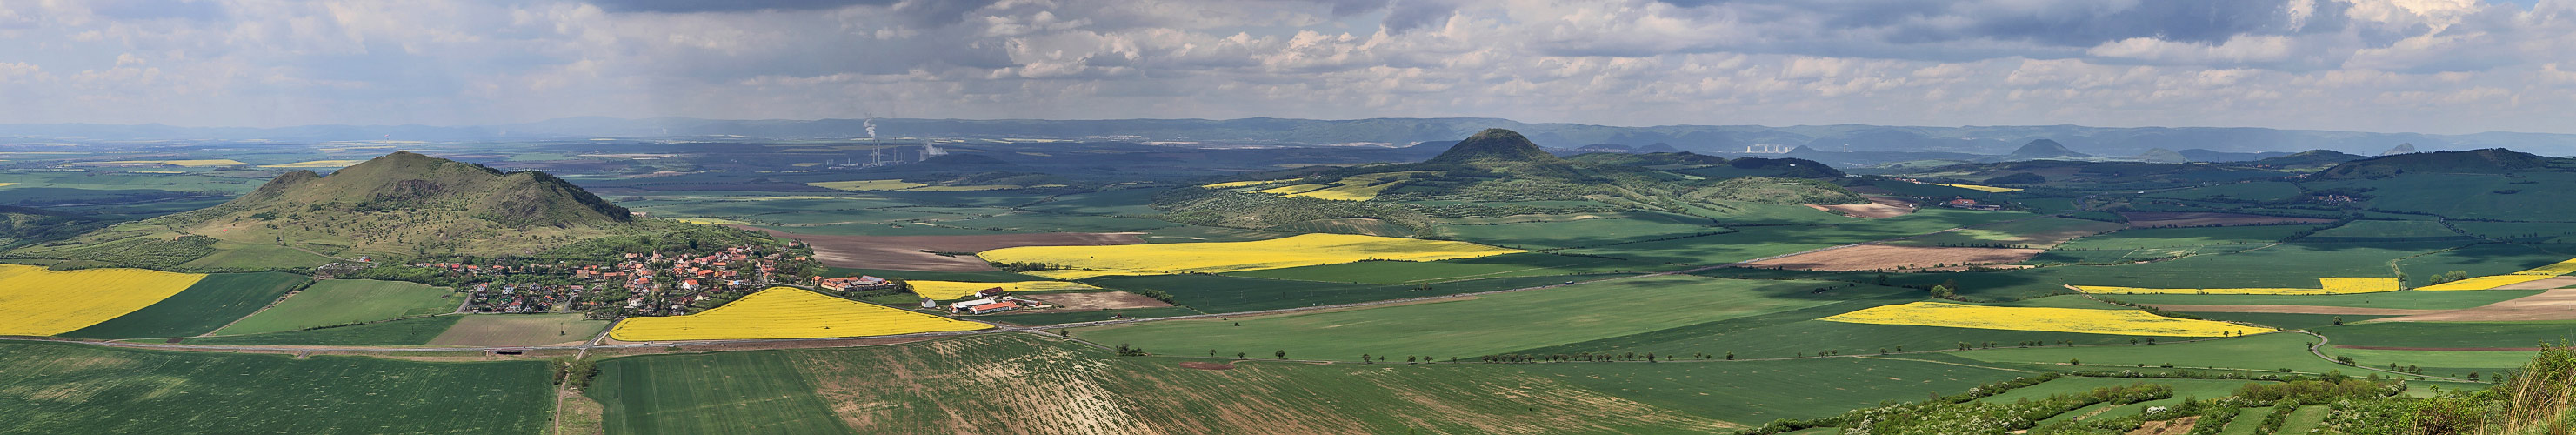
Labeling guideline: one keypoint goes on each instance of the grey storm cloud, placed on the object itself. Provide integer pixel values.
(2065, 24)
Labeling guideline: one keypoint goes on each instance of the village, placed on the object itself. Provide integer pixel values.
(676, 283)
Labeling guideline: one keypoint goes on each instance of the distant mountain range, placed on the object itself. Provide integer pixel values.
(2237, 143)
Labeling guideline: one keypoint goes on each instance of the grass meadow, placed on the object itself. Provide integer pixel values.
(347, 301)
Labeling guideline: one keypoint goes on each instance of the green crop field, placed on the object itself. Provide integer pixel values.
(1589, 230)
(2452, 334)
(1088, 316)
(64, 388)
(1047, 385)
(1499, 266)
(1485, 325)
(2305, 419)
(2286, 321)
(2261, 191)
(1753, 392)
(1756, 242)
(2429, 300)
(1224, 294)
(518, 330)
(2549, 232)
(1796, 333)
(2255, 268)
(346, 301)
(2031, 233)
(1741, 213)
(1059, 223)
(2366, 230)
(2202, 388)
(2144, 238)
(212, 302)
(1115, 202)
(237, 256)
(2483, 260)
(2470, 196)
(405, 332)
(2441, 363)
(2264, 353)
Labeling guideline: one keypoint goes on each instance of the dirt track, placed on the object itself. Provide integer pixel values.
(1879, 207)
(905, 252)
(2140, 219)
(1877, 257)
(1088, 301)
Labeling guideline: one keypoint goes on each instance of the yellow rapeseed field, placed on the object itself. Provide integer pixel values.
(1220, 257)
(1295, 189)
(187, 163)
(2560, 268)
(2088, 321)
(35, 301)
(2492, 282)
(865, 185)
(945, 290)
(1979, 188)
(2327, 286)
(318, 164)
(2485, 282)
(787, 312)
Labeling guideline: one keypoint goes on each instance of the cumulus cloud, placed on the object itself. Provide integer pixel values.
(2417, 65)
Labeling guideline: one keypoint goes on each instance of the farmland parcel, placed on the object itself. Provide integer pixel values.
(1220, 257)
(785, 312)
(35, 301)
(2120, 322)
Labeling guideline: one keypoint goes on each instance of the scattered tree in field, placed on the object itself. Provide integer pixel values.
(1730, 356)
(1238, 355)
(1281, 354)
(2338, 321)
(2074, 362)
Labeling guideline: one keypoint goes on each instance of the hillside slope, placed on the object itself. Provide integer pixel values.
(1494, 166)
(400, 205)
(2485, 161)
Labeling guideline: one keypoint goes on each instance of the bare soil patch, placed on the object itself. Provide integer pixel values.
(1878, 207)
(2297, 309)
(2149, 219)
(2550, 305)
(1202, 365)
(1090, 301)
(2546, 284)
(906, 252)
(519, 330)
(1884, 257)
(2177, 426)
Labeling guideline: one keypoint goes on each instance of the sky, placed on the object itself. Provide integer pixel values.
(2432, 66)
